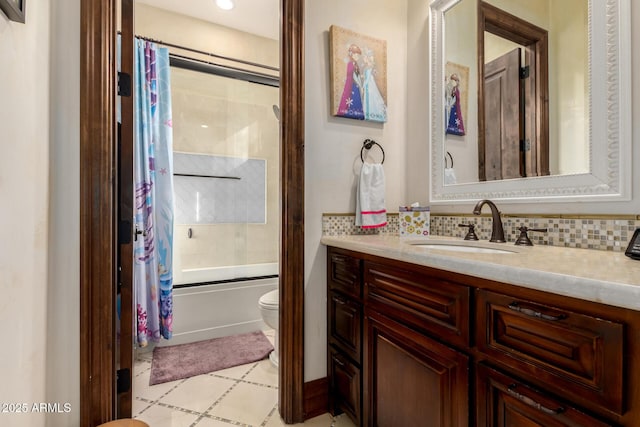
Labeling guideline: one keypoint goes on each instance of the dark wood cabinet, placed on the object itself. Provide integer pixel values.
(345, 384)
(344, 334)
(345, 328)
(411, 379)
(428, 303)
(344, 273)
(580, 355)
(416, 346)
(504, 401)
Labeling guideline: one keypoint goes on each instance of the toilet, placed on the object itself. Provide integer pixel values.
(269, 309)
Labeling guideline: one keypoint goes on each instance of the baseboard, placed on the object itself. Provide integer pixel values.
(316, 398)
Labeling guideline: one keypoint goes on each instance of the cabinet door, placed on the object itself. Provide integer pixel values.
(344, 386)
(410, 379)
(344, 273)
(504, 402)
(345, 324)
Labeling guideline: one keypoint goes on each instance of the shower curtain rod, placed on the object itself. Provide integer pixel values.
(201, 52)
(193, 64)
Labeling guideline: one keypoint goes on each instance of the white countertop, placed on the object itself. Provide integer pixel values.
(600, 276)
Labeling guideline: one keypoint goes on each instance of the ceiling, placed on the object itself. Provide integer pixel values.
(261, 17)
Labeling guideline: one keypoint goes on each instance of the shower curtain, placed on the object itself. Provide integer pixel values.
(153, 180)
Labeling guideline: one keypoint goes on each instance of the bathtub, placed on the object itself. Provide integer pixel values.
(211, 274)
(215, 302)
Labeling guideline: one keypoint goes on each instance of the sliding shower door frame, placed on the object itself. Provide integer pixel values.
(99, 204)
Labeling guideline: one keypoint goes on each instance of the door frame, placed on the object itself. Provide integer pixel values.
(535, 40)
(99, 204)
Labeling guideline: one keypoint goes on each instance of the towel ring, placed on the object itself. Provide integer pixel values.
(445, 160)
(368, 145)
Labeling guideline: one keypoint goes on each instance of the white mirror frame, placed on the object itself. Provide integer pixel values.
(609, 178)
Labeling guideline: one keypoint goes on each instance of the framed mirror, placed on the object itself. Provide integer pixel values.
(573, 138)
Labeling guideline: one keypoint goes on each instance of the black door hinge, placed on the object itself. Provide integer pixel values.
(124, 84)
(524, 72)
(123, 380)
(525, 145)
(124, 232)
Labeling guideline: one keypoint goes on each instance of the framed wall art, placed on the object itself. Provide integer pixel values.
(456, 88)
(358, 75)
(14, 9)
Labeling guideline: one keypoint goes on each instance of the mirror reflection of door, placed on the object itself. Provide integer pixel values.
(502, 111)
(513, 103)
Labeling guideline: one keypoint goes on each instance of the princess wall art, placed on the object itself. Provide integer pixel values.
(358, 75)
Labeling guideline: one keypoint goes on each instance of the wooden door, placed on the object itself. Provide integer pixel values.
(412, 380)
(124, 290)
(503, 115)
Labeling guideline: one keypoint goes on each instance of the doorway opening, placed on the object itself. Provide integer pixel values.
(513, 96)
(100, 217)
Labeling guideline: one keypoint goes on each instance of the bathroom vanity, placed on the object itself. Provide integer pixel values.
(430, 336)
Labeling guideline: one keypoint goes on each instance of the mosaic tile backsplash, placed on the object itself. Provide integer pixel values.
(608, 234)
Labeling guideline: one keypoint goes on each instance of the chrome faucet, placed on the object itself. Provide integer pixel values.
(497, 231)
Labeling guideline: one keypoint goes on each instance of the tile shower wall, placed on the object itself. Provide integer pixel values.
(226, 190)
(227, 122)
(602, 233)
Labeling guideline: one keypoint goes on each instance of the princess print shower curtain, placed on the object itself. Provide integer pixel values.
(153, 180)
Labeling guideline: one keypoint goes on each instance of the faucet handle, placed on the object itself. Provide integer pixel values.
(471, 234)
(523, 238)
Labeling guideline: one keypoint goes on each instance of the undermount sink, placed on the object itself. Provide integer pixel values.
(464, 246)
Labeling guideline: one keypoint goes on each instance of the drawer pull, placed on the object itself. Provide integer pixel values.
(339, 300)
(338, 258)
(533, 313)
(527, 400)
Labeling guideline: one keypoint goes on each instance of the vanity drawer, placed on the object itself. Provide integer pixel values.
(428, 303)
(344, 273)
(345, 324)
(571, 353)
(505, 401)
(345, 385)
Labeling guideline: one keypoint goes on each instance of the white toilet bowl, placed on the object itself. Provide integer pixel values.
(269, 309)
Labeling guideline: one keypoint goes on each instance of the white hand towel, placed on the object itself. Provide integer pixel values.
(370, 208)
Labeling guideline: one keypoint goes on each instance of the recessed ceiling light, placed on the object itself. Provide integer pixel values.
(225, 4)
(204, 126)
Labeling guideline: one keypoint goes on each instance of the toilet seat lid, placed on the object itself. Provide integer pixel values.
(270, 298)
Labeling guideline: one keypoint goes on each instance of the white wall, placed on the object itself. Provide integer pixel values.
(568, 87)
(24, 196)
(458, 50)
(39, 254)
(205, 36)
(417, 172)
(63, 296)
(332, 144)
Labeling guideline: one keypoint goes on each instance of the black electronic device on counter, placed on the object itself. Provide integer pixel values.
(633, 250)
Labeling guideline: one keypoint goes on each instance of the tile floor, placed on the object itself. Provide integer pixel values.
(245, 395)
